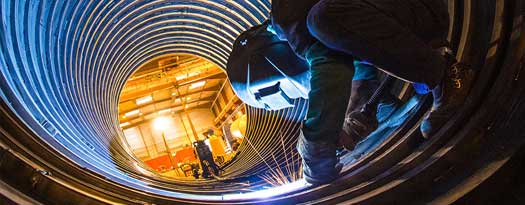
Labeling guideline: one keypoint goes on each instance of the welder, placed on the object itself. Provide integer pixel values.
(406, 39)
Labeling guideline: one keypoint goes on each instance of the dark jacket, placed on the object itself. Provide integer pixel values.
(289, 18)
(289, 22)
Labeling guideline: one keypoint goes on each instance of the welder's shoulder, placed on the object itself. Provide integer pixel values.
(291, 10)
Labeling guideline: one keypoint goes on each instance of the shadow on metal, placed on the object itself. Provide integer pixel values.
(63, 65)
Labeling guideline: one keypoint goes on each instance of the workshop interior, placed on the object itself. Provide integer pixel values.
(135, 102)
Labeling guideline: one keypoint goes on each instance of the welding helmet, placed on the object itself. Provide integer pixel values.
(265, 72)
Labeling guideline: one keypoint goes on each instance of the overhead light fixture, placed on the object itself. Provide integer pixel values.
(178, 99)
(197, 84)
(187, 75)
(124, 124)
(132, 113)
(161, 123)
(193, 74)
(164, 111)
(181, 77)
(144, 100)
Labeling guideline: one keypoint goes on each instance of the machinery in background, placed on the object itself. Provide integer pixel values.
(217, 146)
(201, 160)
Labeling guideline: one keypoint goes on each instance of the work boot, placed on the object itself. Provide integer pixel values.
(320, 164)
(449, 95)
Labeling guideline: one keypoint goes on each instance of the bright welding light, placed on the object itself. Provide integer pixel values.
(144, 100)
(271, 29)
(197, 84)
(270, 192)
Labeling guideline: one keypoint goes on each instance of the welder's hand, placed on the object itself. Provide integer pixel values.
(320, 164)
(356, 127)
(346, 140)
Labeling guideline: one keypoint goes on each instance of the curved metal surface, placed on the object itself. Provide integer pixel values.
(63, 64)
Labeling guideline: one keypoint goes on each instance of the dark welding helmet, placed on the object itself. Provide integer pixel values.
(265, 72)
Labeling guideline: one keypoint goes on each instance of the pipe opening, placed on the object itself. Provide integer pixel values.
(180, 116)
(67, 71)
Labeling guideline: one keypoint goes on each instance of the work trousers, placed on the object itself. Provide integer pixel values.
(398, 36)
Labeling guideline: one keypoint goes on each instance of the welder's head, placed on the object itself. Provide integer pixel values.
(265, 72)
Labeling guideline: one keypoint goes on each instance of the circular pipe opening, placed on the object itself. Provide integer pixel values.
(64, 65)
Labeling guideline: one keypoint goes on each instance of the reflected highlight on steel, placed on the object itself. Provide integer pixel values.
(66, 62)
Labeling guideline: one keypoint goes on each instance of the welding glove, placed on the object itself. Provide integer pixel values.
(357, 126)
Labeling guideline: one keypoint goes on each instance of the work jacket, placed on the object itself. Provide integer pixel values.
(289, 18)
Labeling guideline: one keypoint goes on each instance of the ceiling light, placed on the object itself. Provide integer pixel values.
(187, 75)
(131, 113)
(193, 74)
(197, 84)
(124, 124)
(164, 111)
(161, 123)
(181, 77)
(143, 100)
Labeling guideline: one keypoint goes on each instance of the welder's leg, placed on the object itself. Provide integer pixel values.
(330, 90)
(364, 84)
(331, 79)
(397, 39)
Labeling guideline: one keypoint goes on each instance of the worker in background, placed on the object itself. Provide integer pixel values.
(209, 167)
(400, 37)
